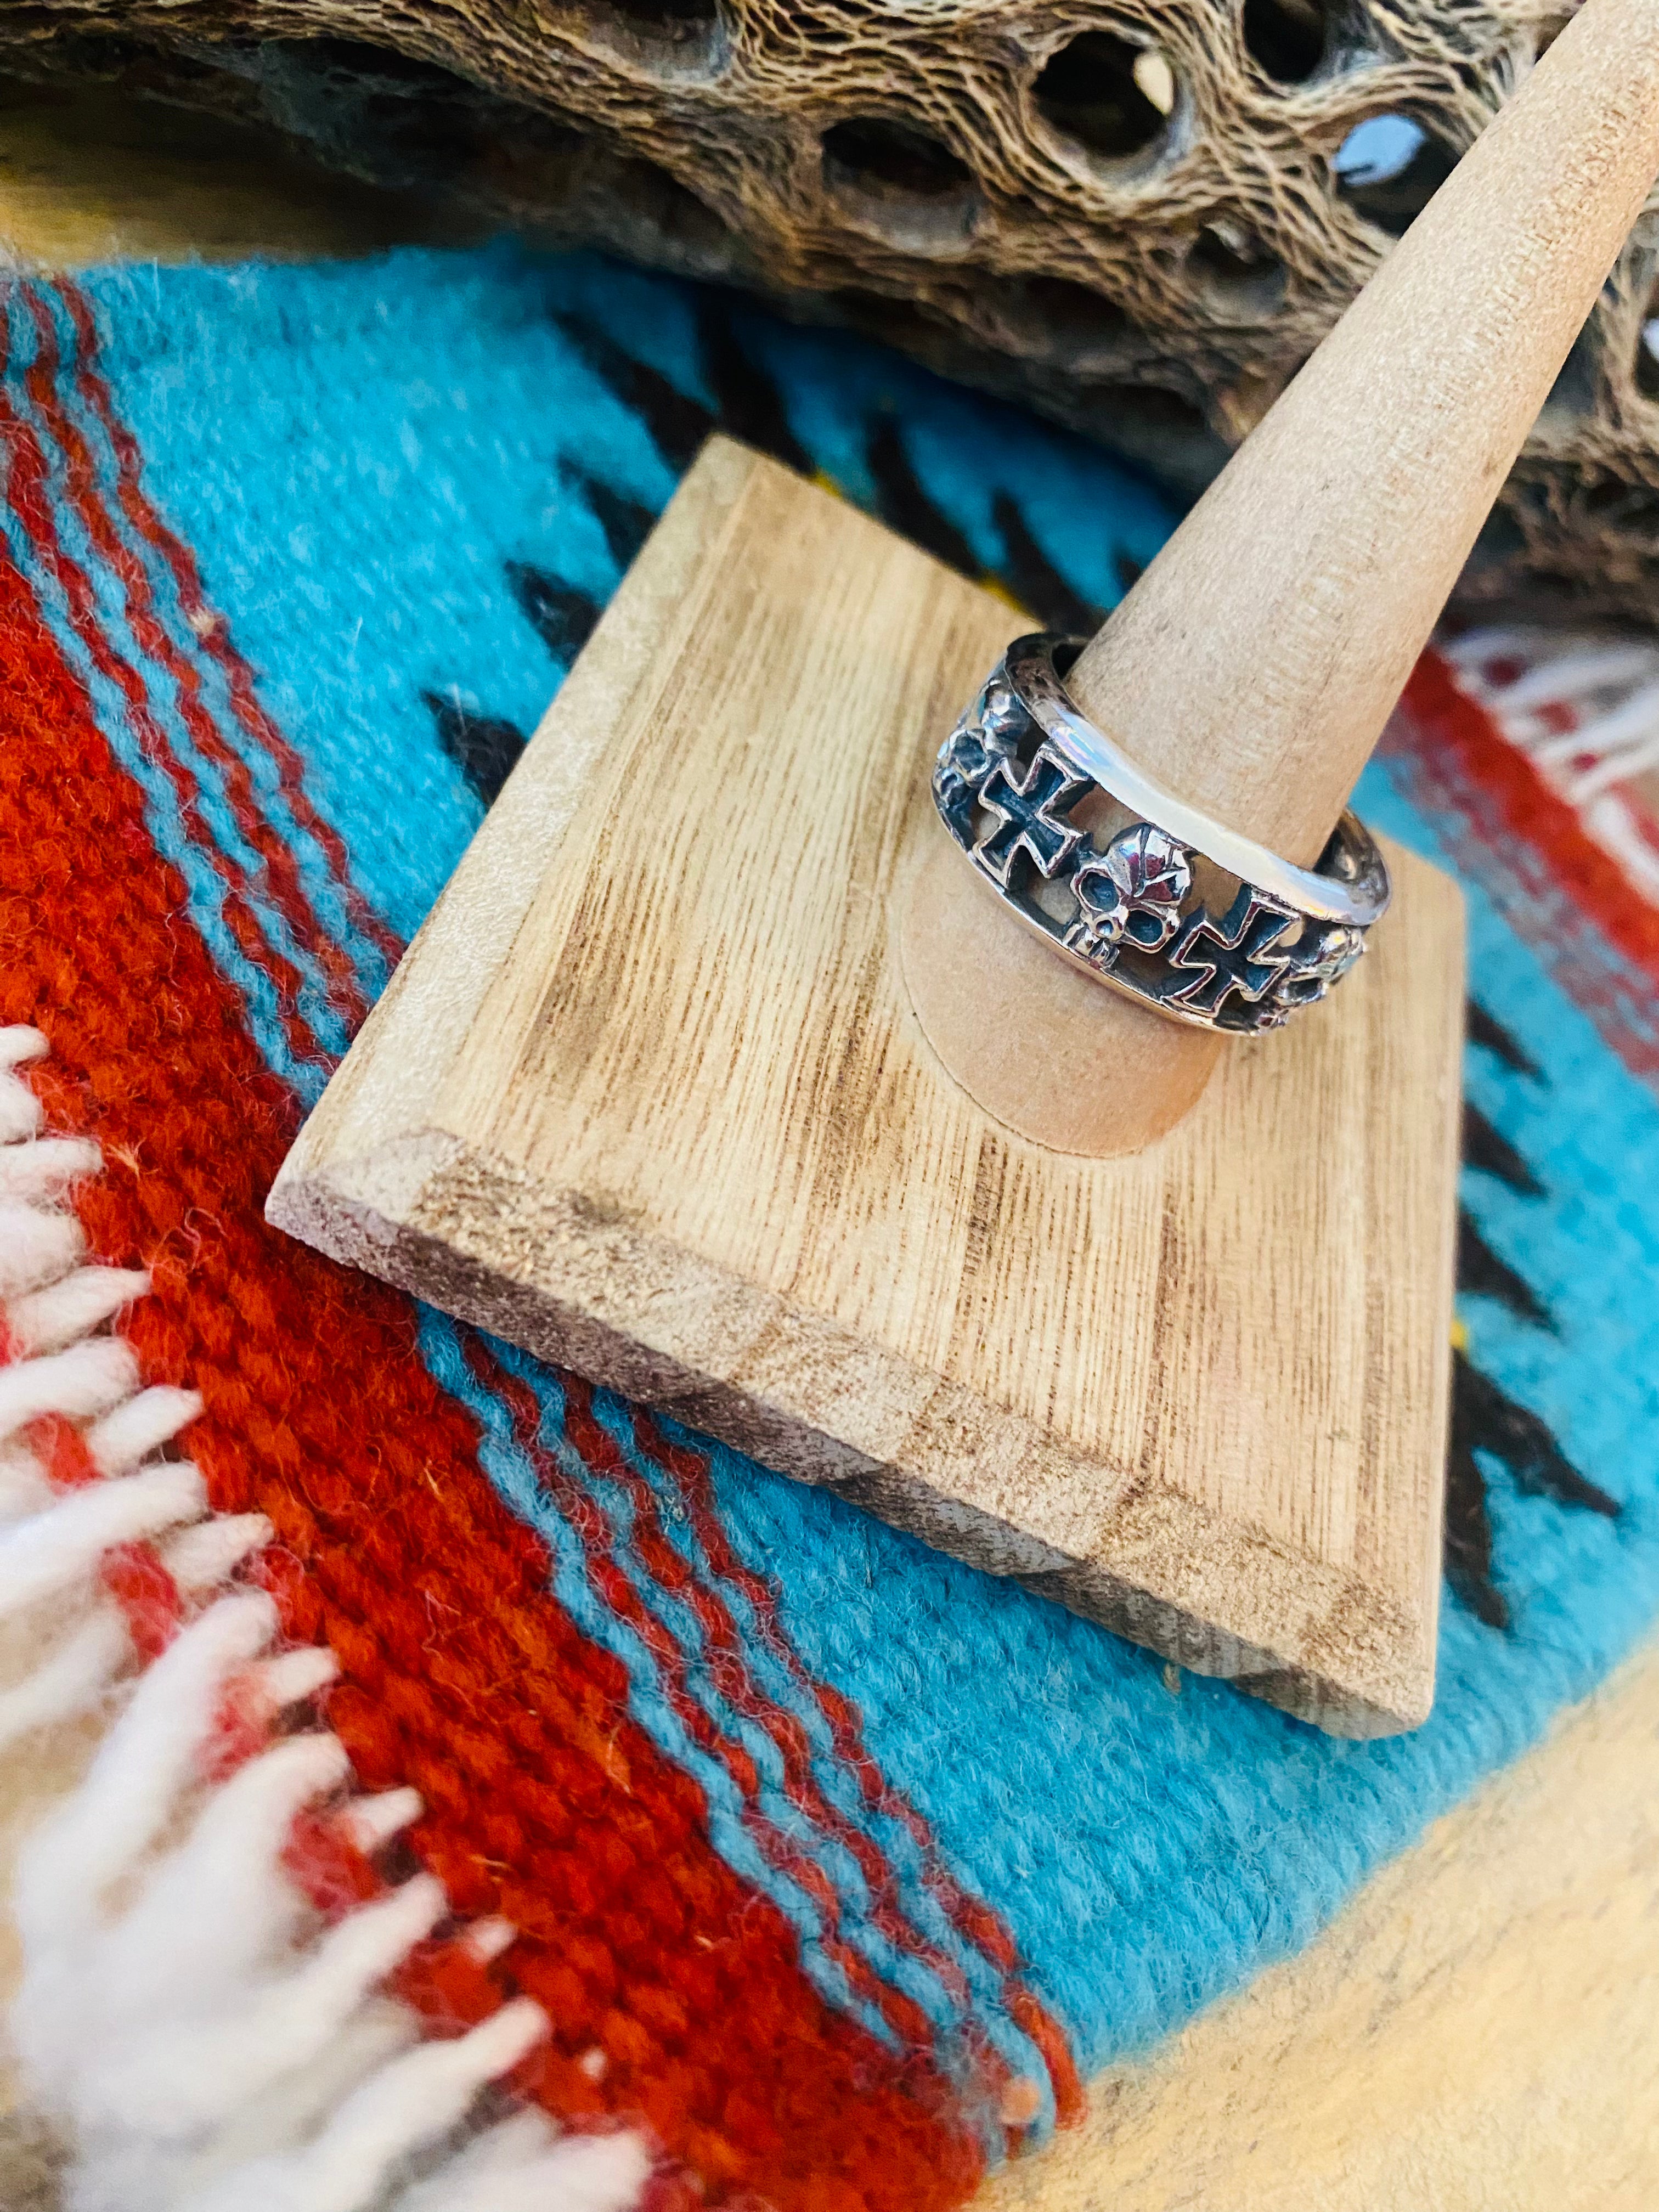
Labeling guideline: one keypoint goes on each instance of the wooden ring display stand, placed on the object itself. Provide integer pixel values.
(716, 1075)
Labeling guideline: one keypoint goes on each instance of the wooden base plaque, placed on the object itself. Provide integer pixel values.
(648, 1096)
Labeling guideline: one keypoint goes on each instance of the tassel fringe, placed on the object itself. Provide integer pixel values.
(205, 2024)
(1585, 711)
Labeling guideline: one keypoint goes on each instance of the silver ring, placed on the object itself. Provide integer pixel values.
(1006, 782)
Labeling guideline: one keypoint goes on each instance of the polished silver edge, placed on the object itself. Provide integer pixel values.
(1029, 671)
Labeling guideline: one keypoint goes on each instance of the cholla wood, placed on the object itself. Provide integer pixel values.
(648, 1096)
(991, 186)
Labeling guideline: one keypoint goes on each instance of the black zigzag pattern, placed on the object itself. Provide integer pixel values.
(1485, 1420)
(485, 747)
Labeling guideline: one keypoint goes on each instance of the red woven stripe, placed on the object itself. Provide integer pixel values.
(1559, 890)
(63, 1451)
(208, 625)
(459, 1673)
(723, 1642)
(971, 1916)
(148, 1596)
(29, 500)
(901, 2014)
(690, 1470)
(282, 876)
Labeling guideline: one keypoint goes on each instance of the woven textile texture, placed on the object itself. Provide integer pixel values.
(838, 1869)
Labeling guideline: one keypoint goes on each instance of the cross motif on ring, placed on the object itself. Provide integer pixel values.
(1027, 813)
(1235, 954)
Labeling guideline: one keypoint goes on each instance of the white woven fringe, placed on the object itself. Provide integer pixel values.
(202, 2040)
(1584, 709)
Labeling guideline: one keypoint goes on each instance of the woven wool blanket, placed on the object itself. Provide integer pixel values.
(462, 1724)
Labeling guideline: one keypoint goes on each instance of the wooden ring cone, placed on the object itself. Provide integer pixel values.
(1253, 667)
(650, 1095)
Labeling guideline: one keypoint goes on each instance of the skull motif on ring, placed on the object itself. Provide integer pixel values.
(1323, 959)
(1132, 893)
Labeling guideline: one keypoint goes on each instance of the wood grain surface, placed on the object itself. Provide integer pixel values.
(678, 1127)
(1474, 2033)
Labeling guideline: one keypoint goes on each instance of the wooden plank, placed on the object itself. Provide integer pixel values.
(648, 1096)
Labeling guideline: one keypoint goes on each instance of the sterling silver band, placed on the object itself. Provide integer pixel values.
(1024, 759)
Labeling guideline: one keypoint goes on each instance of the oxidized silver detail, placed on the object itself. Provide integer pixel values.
(1136, 890)
(1008, 779)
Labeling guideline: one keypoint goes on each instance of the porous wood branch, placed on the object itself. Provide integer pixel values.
(1139, 217)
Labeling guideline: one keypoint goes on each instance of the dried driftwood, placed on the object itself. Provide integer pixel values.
(1140, 217)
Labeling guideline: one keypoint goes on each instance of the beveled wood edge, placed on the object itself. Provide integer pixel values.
(426, 1214)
